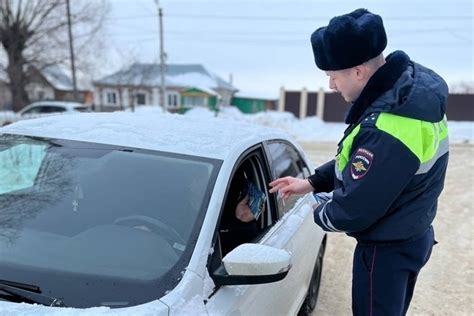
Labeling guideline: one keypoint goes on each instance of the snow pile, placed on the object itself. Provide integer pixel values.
(305, 130)
(231, 113)
(23, 309)
(461, 132)
(147, 109)
(313, 129)
(7, 117)
(255, 259)
(202, 113)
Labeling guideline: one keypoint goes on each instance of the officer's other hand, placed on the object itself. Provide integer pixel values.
(289, 185)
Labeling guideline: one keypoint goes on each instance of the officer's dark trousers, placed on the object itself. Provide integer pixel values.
(384, 275)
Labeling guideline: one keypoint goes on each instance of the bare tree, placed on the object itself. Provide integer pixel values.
(34, 32)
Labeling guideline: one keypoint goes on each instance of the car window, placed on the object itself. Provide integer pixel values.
(85, 212)
(33, 110)
(44, 109)
(82, 109)
(286, 161)
(233, 230)
(53, 109)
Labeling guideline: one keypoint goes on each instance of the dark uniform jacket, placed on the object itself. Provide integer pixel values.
(391, 163)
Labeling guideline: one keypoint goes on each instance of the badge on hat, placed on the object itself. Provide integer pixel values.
(361, 163)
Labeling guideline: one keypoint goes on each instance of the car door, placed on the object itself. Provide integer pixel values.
(291, 229)
(303, 235)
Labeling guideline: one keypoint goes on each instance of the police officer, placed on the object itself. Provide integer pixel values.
(390, 164)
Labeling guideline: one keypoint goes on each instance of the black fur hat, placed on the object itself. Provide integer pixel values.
(349, 40)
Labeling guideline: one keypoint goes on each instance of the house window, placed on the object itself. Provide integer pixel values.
(141, 98)
(173, 100)
(190, 101)
(111, 97)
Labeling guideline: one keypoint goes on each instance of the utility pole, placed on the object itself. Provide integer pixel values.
(71, 50)
(162, 60)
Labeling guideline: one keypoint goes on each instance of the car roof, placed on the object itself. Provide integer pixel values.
(185, 134)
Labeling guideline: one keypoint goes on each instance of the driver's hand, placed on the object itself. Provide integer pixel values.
(243, 212)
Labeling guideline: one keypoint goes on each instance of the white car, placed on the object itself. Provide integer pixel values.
(47, 108)
(134, 214)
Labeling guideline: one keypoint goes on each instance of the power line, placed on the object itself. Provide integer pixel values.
(282, 18)
(289, 38)
(276, 32)
(274, 42)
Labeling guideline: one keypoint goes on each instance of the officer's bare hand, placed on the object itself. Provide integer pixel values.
(289, 185)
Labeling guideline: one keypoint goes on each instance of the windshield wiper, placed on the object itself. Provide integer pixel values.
(29, 294)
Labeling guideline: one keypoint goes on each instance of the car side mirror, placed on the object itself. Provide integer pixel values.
(253, 264)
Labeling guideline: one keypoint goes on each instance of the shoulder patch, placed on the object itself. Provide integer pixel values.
(361, 163)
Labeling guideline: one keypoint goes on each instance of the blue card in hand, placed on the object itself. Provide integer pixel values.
(256, 199)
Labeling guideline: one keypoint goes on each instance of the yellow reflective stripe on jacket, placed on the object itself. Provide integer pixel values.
(421, 137)
(427, 141)
(343, 157)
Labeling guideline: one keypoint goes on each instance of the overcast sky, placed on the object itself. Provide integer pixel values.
(265, 44)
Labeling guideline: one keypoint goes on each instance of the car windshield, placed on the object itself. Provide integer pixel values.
(98, 224)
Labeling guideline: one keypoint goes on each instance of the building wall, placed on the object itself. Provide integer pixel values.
(194, 93)
(460, 107)
(248, 105)
(38, 91)
(292, 102)
(335, 108)
(38, 88)
(271, 105)
(126, 97)
(83, 96)
(212, 102)
(312, 104)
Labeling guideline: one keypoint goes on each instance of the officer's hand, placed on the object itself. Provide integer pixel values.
(289, 185)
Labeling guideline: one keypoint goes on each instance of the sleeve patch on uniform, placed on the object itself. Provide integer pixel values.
(361, 163)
